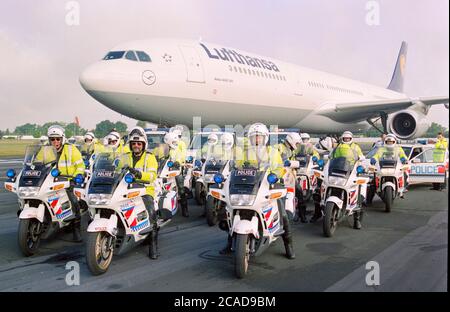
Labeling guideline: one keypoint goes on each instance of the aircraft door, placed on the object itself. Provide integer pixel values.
(194, 67)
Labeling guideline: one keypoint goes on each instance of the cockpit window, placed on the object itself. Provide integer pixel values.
(114, 55)
(131, 56)
(143, 57)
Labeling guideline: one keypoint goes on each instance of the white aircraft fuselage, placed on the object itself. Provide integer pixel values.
(223, 86)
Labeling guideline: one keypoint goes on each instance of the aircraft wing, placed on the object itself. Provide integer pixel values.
(359, 111)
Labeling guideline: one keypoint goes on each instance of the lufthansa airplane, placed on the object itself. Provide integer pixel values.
(169, 81)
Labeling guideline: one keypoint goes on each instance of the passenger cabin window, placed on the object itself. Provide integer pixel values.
(131, 56)
(143, 57)
(114, 55)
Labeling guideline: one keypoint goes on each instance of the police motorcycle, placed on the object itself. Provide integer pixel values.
(44, 205)
(341, 193)
(389, 178)
(120, 220)
(199, 185)
(253, 217)
(166, 194)
(304, 166)
(214, 208)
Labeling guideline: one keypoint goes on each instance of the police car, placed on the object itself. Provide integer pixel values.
(423, 168)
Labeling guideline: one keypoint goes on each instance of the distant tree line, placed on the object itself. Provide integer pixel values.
(71, 129)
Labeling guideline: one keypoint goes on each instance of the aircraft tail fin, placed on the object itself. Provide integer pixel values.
(398, 76)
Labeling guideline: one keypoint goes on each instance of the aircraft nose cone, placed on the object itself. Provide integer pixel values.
(90, 77)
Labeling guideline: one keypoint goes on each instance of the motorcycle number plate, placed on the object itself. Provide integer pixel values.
(246, 172)
(104, 174)
(32, 173)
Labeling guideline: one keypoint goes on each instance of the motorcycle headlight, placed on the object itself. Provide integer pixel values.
(99, 199)
(242, 200)
(337, 181)
(28, 191)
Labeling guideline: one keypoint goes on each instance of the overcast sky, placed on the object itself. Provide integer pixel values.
(41, 56)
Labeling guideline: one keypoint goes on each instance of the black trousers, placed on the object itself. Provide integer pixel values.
(180, 186)
(284, 217)
(74, 202)
(150, 206)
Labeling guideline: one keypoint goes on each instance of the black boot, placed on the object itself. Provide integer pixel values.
(317, 213)
(227, 250)
(153, 247)
(356, 221)
(302, 213)
(77, 231)
(184, 207)
(288, 246)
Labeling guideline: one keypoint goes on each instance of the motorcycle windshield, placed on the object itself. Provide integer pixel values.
(389, 157)
(109, 168)
(213, 165)
(340, 167)
(246, 179)
(37, 164)
(303, 160)
(39, 155)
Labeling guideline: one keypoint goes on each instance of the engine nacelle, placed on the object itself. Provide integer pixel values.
(408, 124)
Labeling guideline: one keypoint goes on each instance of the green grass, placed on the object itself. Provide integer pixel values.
(14, 148)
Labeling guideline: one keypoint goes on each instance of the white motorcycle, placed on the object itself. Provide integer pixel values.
(120, 218)
(389, 179)
(214, 208)
(254, 221)
(342, 189)
(44, 205)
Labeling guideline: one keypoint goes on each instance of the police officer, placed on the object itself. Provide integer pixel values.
(69, 163)
(257, 154)
(351, 152)
(439, 151)
(145, 168)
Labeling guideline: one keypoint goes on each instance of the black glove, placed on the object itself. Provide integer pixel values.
(137, 174)
(176, 165)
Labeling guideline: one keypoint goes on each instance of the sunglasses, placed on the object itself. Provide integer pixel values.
(87, 140)
(55, 139)
(112, 141)
(136, 143)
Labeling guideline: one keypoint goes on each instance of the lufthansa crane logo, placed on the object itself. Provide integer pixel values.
(148, 77)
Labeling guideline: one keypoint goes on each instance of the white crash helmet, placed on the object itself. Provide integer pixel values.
(293, 139)
(305, 137)
(178, 129)
(89, 136)
(390, 138)
(227, 140)
(137, 134)
(213, 139)
(43, 140)
(113, 136)
(345, 135)
(56, 131)
(171, 139)
(258, 129)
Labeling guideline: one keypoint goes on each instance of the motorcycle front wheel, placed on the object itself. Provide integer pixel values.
(330, 219)
(241, 255)
(199, 193)
(99, 252)
(388, 198)
(211, 210)
(29, 236)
